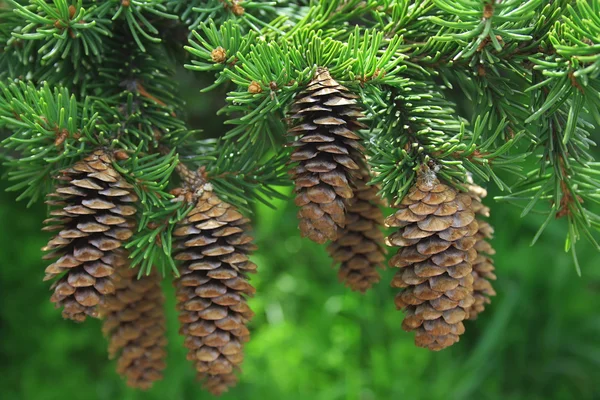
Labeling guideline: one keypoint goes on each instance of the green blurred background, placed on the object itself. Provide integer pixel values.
(314, 339)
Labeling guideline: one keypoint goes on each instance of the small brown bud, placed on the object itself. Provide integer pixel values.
(254, 88)
(203, 173)
(218, 55)
(72, 11)
(237, 9)
(125, 3)
(379, 73)
(273, 85)
(61, 137)
(177, 191)
(121, 155)
(488, 11)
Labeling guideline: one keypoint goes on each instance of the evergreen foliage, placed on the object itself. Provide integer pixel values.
(100, 73)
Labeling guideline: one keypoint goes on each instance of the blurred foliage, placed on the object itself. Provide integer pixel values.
(314, 339)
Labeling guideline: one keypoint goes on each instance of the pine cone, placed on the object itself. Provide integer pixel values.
(218, 384)
(93, 220)
(436, 236)
(359, 247)
(135, 323)
(328, 153)
(483, 266)
(213, 246)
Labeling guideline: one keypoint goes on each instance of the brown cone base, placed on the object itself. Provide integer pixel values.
(135, 323)
(213, 246)
(436, 228)
(328, 154)
(93, 218)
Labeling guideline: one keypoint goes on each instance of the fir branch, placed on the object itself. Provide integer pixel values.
(214, 49)
(528, 70)
(240, 177)
(570, 70)
(136, 97)
(50, 129)
(65, 30)
(476, 25)
(140, 17)
(150, 174)
(328, 16)
(247, 14)
(417, 126)
(564, 184)
(152, 246)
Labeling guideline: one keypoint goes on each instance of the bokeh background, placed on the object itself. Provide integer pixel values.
(312, 339)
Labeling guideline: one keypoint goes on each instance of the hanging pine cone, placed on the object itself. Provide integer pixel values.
(212, 245)
(92, 220)
(135, 323)
(359, 246)
(483, 266)
(436, 235)
(218, 384)
(328, 155)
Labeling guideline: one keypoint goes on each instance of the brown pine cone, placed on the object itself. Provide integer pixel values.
(135, 323)
(328, 155)
(93, 217)
(436, 235)
(218, 384)
(359, 247)
(212, 245)
(483, 266)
